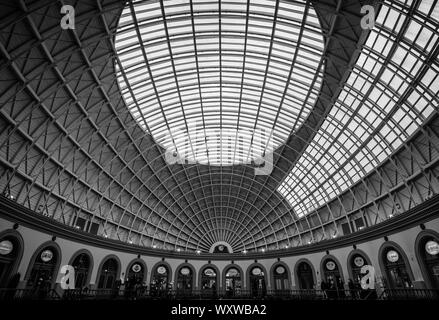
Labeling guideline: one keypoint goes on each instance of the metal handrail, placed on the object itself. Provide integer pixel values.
(143, 293)
(28, 294)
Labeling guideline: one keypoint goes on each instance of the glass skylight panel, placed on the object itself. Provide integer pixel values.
(183, 67)
(369, 120)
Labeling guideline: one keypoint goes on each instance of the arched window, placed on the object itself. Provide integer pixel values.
(305, 276)
(281, 279)
(160, 279)
(429, 253)
(396, 270)
(356, 263)
(81, 264)
(257, 282)
(185, 279)
(209, 280)
(9, 250)
(331, 272)
(108, 274)
(43, 269)
(233, 281)
(136, 273)
(333, 284)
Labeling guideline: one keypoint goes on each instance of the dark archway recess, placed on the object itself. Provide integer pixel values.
(396, 269)
(136, 273)
(42, 274)
(82, 265)
(333, 279)
(160, 280)
(10, 252)
(281, 279)
(356, 262)
(209, 277)
(108, 274)
(258, 282)
(305, 276)
(427, 252)
(185, 280)
(233, 281)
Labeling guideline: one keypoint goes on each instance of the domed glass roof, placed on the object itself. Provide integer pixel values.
(220, 82)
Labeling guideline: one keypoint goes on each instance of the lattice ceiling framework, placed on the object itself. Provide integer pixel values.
(364, 146)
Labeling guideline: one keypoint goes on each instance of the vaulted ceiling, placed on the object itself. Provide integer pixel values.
(88, 114)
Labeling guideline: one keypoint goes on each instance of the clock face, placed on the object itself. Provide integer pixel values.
(46, 255)
(185, 271)
(330, 265)
(136, 267)
(161, 270)
(232, 273)
(209, 272)
(359, 261)
(432, 247)
(280, 270)
(256, 271)
(221, 248)
(392, 256)
(6, 247)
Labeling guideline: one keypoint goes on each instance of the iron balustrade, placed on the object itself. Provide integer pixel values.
(146, 294)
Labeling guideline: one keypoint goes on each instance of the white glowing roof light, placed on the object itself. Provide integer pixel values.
(188, 76)
(369, 121)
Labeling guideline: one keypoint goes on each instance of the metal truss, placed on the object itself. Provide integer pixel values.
(70, 147)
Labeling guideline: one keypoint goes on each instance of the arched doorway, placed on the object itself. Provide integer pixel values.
(10, 251)
(397, 273)
(108, 274)
(305, 276)
(81, 264)
(160, 280)
(258, 286)
(209, 281)
(427, 251)
(136, 273)
(185, 281)
(233, 282)
(281, 279)
(332, 282)
(357, 261)
(43, 270)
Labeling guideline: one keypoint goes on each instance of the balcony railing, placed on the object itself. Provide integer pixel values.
(143, 294)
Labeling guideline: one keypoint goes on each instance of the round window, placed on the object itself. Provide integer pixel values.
(359, 261)
(432, 247)
(46, 255)
(392, 256)
(209, 272)
(330, 265)
(136, 268)
(185, 271)
(280, 270)
(232, 273)
(257, 271)
(161, 270)
(6, 247)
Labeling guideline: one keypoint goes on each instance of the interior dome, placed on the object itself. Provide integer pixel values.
(219, 82)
